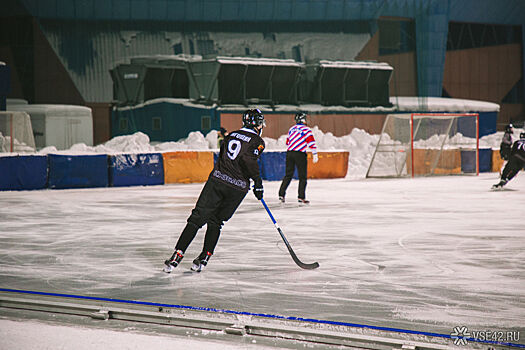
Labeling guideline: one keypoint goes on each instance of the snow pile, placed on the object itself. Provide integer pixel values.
(360, 144)
(140, 143)
(18, 146)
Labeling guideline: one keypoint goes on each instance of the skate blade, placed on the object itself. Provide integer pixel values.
(167, 268)
(196, 268)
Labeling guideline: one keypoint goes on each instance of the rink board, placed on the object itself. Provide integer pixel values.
(136, 169)
(82, 171)
(23, 173)
(187, 166)
(67, 171)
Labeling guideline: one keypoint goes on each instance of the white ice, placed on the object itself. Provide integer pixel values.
(425, 254)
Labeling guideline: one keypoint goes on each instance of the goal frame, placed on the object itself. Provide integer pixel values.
(413, 131)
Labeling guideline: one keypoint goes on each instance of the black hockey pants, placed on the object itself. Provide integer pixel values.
(295, 159)
(216, 204)
(513, 166)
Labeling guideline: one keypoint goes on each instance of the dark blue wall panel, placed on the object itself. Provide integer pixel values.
(485, 160)
(23, 173)
(77, 171)
(273, 166)
(468, 161)
(136, 169)
(487, 123)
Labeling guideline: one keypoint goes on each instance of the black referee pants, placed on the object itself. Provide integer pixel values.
(295, 159)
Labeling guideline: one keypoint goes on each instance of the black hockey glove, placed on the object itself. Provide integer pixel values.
(258, 189)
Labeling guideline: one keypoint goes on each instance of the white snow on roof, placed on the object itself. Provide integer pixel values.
(16, 101)
(355, 64)
(259, 61)
(441, 104)
(50, 108)
(182, 101)
(400, 104)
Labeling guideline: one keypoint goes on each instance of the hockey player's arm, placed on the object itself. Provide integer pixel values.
(252, 168)
(310, 141)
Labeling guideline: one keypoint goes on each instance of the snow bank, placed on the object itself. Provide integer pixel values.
(359, 143)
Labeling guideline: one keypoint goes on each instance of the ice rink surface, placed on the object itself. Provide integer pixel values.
(424, 254)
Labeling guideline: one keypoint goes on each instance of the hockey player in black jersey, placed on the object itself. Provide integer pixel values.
(506, 143)
(515, 163)
(225, 189)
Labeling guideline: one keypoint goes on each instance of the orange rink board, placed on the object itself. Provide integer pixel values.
(497, 162)
(187, 166)
(330, 165)
(449, 162)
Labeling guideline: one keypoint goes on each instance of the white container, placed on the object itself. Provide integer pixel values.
(61, 126)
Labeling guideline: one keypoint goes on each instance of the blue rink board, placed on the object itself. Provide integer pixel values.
(23, 173)
(468, 161)
(79, 171)
(272, 165)
(136, 169)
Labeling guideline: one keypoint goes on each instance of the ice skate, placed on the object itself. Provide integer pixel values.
(173, 262)
(201, 261)
(499, 185)
(281, 200)
(303, 201)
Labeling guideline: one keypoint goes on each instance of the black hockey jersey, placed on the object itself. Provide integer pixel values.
(237, 161)
(518, 149)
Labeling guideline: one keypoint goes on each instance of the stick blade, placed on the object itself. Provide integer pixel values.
(299, 262)
(308, 266)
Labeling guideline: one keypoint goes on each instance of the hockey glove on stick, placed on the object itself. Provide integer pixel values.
(258, 189)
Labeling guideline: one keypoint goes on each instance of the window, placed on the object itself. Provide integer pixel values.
(296, 53)
(205, 122)
(396, 36)
(156, 123)
(475, 35)
(123, 124)
(177, 48)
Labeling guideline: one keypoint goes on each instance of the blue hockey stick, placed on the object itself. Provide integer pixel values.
(292, 253)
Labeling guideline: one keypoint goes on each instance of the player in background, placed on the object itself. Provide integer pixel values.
(299, 138)
(226, 187)
(221, 134)
(506, 143)
(515, 163)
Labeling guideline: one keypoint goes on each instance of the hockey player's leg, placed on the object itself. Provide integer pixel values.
(213, 232)
(301, 171)
(187, 235)
(173, 261)
(208, 202)
(512, 168)
(231, 200)
(290, 167)
(201, 261)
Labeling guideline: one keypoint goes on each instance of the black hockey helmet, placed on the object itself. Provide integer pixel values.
(253, 118)
(300, 118)
(508, 128)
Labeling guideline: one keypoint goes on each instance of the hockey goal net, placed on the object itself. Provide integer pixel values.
(421, 144)
(16, 133)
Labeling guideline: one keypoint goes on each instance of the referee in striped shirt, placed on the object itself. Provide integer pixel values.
(299, 138)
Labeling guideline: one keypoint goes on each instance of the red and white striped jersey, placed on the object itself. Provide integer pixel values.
(299, 138)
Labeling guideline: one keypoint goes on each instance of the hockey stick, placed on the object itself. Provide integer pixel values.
(292, 253)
